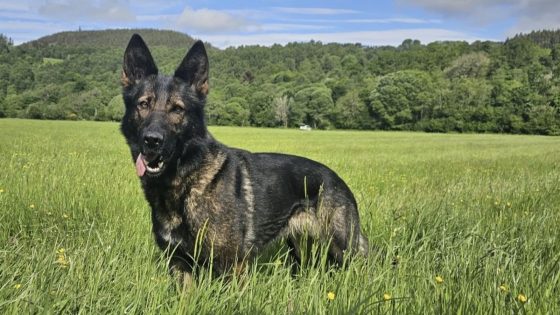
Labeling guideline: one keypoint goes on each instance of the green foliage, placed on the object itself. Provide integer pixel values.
(510, 87)
(52, 61)
(402, 98)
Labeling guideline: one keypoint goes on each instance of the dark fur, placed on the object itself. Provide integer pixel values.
(235, 201)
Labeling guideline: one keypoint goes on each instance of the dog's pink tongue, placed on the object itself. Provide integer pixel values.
(140, 166)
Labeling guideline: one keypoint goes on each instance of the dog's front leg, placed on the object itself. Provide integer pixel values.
(180, 270)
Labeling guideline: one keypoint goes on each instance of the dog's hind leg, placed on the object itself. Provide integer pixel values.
(300, 249)
(346, 237)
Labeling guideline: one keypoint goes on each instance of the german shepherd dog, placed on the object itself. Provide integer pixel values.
(226, 203)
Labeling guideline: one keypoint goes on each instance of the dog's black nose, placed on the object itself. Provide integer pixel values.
(153, 140)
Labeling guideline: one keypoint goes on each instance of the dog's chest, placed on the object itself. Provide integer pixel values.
(168, 219)
(180, 214)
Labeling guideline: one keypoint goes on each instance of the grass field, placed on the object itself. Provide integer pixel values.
(467, 224)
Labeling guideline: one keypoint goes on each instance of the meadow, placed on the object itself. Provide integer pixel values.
(463, 223)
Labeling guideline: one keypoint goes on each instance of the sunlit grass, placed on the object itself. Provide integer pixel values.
(463, 223)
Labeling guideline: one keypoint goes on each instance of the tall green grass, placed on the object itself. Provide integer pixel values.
(480, 212)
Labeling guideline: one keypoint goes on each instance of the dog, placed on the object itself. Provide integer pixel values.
(213, 203)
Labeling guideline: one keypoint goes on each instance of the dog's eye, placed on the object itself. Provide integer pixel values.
(143, 104)
(177, 109)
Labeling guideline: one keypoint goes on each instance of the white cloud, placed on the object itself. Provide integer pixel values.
(13, 6)
(24, 26)
(207, 20)
(314, 11)
(394, 20)
(527, 24)
(157, 17)
(23, 31)
(20, 15)
(98, 11)
(455, 7)
(525, 15)
(279, 27)
(369, 38)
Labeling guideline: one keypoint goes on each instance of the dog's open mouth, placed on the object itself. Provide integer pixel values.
(152, 167)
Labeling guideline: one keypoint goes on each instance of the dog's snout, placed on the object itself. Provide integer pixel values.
(153, 140)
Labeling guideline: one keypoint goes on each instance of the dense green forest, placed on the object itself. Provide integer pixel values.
(511, 86)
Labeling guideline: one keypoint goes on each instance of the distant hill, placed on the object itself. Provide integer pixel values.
(116, 38)
(452, 86)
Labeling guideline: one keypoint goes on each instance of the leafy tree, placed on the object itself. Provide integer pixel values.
(261, 113)
(401, 98)
(312, 105)
(281, 105)
(471, 65)
(351, 112)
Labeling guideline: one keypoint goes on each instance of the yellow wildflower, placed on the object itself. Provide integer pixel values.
(17, 286)
(522, 298)
(32, 206)
(503, 288)
(61, 258)
(439, 279)
(331, 295)
(65, 216)
(1, 190)
(386, 297)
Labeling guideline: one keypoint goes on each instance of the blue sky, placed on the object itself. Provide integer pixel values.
(234, 23)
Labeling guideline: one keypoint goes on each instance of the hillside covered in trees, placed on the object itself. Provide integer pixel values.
(511, 86)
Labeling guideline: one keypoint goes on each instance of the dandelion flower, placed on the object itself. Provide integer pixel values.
(17, 286)
(522, 298)
(61, 259)
(1, 190)
(331, 295)
(386, 297)
(503, 288)
(32, 206)
(65, 216)
(439, 279)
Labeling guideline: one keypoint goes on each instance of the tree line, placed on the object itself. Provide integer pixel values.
(507, 87)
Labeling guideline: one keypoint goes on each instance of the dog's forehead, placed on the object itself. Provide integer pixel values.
(160, 89)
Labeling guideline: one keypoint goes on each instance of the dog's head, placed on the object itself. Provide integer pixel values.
(163, 113)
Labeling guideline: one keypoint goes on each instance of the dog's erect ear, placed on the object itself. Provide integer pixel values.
(194, 69)
(138, 62)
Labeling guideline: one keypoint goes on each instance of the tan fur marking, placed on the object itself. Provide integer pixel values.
(169, 221)
(203, 88)
(197, 204)
(124, 79)
(304, 222)
(250, 200)
(175, 100)
(145, 98)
